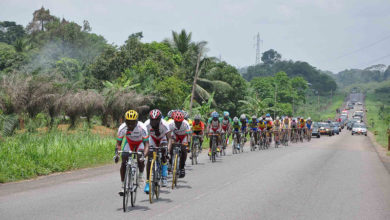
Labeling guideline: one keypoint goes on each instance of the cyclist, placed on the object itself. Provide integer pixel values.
(253, 123)
(214, 126)
(180, 134)
(277, 127)
(308, 126)
(198, 129)
(293, 126)
(244, 125)
(302, 126)
(226, 123)
(236, 125)
(187, 118)
(159, 135)
(136, 140)
(262, 125)
(269, 126)
(286, 126)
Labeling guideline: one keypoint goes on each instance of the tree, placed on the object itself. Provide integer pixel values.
(270, 57)
(10, 32)
(69, 68)
(40, 18)
(181, 41)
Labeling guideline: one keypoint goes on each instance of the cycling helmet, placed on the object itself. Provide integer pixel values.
(197, 117)
(215, 115)
(186, 116)
(131, 115)
(235, 119)
(254, 116)
(277, 118)
(226, 114)
(243, 116)
(155, 114)
(169, 114)
(308, 118)
(178, 116)
(267, 115)
(261, 118)
(268, 119)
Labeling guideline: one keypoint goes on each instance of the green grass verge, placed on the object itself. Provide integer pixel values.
(326, 108)
(372, 106)
(27, 155)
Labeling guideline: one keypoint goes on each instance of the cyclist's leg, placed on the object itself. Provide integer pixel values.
(125, 158)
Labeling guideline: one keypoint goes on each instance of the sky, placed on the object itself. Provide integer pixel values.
(329, 34)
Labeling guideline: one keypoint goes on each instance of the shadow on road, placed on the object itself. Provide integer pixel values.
(129, 208)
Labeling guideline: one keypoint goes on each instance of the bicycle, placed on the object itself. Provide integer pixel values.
(276, 138)
(195, 149)
(242, 141)
(294, 135)
(155, 171)
(214, 141)
(267, 139)
(176, 164)
(235, 143)
(285, 137)
(224, 143)
(130, 184)
(261, 140)
(308, 135)
(252, 141)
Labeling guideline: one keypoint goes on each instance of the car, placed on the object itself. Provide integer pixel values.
(359, 128)
(335, 128)
(338, 126)
(315, 131)
(325, 128)
(350, 123)
(359, 103)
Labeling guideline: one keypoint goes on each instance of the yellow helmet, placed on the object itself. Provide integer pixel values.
(131, 115)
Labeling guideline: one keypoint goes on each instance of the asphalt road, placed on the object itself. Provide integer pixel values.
(339, 177)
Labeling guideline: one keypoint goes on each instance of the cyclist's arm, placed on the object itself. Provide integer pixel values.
(169, 138)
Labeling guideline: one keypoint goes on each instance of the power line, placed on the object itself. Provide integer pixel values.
(365, 47)
(380, 58)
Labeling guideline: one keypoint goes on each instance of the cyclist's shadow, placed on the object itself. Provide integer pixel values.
(136, 207)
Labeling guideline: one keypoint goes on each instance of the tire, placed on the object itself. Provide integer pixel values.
(151, 181)
(213, 150)
(126, 188)
(318, 136)
(134, 192)
(174, 171)
(193, 153)
(157, 179)
(352, 133)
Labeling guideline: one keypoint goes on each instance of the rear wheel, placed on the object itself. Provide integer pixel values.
(174, 173)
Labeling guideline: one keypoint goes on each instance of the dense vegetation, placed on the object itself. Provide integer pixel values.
(55, 71)
(376, 73)
(272, 64)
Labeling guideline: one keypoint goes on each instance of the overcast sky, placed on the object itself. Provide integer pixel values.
(329, 34)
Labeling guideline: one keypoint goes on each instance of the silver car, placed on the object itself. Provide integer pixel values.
(359, 128)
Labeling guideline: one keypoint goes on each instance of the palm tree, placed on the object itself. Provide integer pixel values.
(181, 41)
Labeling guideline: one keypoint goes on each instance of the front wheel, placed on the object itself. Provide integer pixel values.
(126, 188)
(152, 175)
(175, 170)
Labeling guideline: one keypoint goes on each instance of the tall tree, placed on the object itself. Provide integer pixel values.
(270, 57)
(40, 18)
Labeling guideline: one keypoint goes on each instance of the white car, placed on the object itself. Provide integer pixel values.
(359, 129)
(359, 103)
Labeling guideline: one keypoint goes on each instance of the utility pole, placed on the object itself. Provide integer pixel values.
(276, 88)
(258, 54)
(331, 96)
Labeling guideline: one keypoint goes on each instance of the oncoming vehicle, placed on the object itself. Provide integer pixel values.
(315, 130)
(359, 128)
(325, 129)
(336, 128)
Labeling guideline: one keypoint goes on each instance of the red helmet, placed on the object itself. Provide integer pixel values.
(178, 116)
(155, 114)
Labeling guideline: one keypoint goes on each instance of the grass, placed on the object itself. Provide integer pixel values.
(326, 108)
(372, 105)
(27, 155)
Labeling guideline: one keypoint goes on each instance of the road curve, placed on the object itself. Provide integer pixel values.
(339, 177)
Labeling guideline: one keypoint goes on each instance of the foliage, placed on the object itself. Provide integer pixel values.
(376, 73)
(10, 32)
(270, 57)
(28, 155)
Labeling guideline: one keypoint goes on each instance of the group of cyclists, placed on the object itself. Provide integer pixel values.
(178, 129)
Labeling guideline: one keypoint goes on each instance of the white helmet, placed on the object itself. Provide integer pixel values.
(235, 119)
(277, 118)
(308, 118)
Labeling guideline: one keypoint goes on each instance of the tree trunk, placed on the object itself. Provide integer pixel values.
(195, 79)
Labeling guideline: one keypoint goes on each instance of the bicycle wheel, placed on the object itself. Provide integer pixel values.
(174, 172)
(213, 151)
(151, 181)
(157, 178)
(193, 153)
(134, 186)
(196, 152)
(126, 188)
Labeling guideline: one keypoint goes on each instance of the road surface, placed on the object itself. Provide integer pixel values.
(339, 177)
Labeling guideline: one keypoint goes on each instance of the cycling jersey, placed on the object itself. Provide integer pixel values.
(180, 134)
(155, 139)
(215, 126)
(286, 123)
(277, 124)
(302, 124)
(135, 138)
(308, 124)
(269, 125)
(244, 124)
(225, 123)
(253, 124)
(294, 124)
(261, 125)
(236, 126)
(198, 127)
